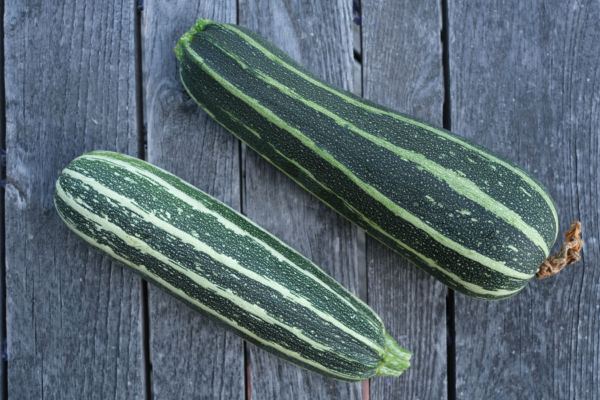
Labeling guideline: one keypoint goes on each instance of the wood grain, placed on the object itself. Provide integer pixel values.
(524, 78)
(317, 34)
(402, 69)
(191, 356)
(3, 362)
(73, 318)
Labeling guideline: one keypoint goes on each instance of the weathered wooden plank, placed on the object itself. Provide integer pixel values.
(402, 68)
(318, 34)
(191, 356)
(73, 318)
(3, 363)
(524, 79)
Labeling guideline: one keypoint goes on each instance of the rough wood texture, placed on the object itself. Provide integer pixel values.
(402, 69)
(3, 363)
(524, 82)
(524, 79)
(73, 318)
(191, 356)
(318, 34)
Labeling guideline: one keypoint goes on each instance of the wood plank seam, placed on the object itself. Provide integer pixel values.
(142, 130)
(447, 124)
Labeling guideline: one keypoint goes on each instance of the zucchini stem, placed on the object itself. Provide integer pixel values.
(396, 359)
(187, 37)
(568, 254)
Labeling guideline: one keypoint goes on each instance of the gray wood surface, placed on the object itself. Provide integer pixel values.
(402, 69)
(317, 34)
(3, 362)
(525, 82)
(73, 318)
(191, 356)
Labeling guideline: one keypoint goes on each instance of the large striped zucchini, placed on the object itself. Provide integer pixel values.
(472, 219)
(221, 264)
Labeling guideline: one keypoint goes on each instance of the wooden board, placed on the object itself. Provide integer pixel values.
(318, 34)
(402, 69)
(524, 79)
(191, 356)
(3, 362)
(73, 318)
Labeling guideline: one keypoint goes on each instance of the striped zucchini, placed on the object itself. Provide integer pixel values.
(472, 219)
(221, 264)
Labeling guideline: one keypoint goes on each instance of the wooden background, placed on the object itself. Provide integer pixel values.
(519, 77)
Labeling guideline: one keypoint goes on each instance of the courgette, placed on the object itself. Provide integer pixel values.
(223, 265)
(471, 218)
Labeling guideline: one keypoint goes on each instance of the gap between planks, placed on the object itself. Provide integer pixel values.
(447, 124)
(138, 8)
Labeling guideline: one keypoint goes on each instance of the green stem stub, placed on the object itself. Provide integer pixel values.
(396, 359)
(187, 37)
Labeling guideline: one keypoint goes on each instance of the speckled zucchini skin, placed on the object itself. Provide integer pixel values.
(220, 263)
(474, 220)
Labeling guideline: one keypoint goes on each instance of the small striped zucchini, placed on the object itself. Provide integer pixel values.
(221, 264)
(472, 219)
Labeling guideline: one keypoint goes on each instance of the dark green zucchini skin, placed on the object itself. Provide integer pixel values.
(221, 264)
(473, 219)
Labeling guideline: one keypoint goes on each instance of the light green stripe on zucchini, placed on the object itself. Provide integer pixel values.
(104, 224)
(374, 110)
(202, 247)
(374, 193)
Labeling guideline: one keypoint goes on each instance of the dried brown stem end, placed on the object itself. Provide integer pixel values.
(568, 254)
